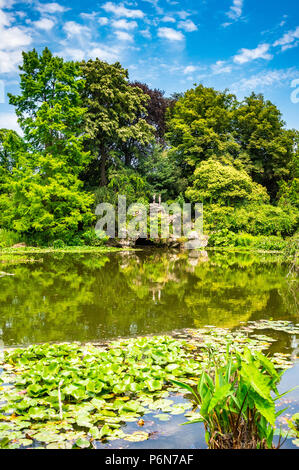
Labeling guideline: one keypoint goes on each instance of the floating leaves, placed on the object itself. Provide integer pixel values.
(103, 387)
(137, 436)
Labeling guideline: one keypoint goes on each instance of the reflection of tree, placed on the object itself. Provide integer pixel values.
(44, 301)
(235, 288)
(89, 297)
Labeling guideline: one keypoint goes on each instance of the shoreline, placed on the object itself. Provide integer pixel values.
(92, 249)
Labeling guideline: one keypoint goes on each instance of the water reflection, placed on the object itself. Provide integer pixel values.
(65, 297)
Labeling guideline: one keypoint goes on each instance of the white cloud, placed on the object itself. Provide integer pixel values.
(72, 54)
(7, 3)
(124, 24)
(189, 69)
(5, 19)
(88, 16)
(12, 38)
(168, 19)
(235, 10)
(289, 46)
(247, 55)
(188, 26)
(75, 29)
(46, 24)
(265, 79)
(124, 36)
(221, 67)
(170, 34)
(288, 39)
(146, 33)
(9, 121)
(121, 10)
(103, 21)
(103, 52)
(9, 61)
(183, 14)
(51, 8)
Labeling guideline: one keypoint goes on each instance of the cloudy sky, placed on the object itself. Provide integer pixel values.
(243, 45)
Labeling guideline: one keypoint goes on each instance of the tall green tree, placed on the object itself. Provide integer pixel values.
(200, 127)
(10, 144)
(259, 128)
(115, 116)
(45, 196)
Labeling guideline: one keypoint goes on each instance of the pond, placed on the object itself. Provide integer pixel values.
(95, 297)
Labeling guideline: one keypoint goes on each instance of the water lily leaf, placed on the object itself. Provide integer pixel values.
(137, 436)
(82, 443)
(162, 417)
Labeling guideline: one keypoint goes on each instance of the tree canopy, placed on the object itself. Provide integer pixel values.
(89, 134)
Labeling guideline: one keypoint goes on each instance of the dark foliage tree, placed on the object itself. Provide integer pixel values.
(115, 116)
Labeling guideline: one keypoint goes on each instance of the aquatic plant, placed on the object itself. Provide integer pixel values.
(73, 395)
(62, 393)
(236, 401)
(294, 429)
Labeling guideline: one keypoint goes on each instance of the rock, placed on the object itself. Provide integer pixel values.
(19, 245)
(193, 235)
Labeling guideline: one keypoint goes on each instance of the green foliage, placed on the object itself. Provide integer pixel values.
(10, 144)
(294, 427)
(44, 197)
(162, 173)
(259, 129)
(255, 219)
(8, 238)
(115, 114)
(226, 238)
(200, 126)
(90, 392)
(236, 401)
(91, 238)
(86, 127)
(223, 184)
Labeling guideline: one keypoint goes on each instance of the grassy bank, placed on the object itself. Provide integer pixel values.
(66, 249)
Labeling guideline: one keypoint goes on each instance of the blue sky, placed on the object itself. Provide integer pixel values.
(243, 45)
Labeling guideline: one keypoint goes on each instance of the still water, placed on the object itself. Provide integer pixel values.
(94, 297)
(66, 297)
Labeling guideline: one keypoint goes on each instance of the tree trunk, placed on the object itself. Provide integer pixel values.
(127, 159)
(103, 161)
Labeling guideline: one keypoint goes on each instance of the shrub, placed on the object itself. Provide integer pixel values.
(8, 238)
(91, 238)
(58, 244)
(237, 401)
(263, 219)
(246, 240)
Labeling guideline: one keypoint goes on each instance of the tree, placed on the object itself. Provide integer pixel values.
(223, 184)
(162, 173)
(113, 114)
(200, 127)
(156, 108)
(10, 144)
(260, 131)
(45, 196)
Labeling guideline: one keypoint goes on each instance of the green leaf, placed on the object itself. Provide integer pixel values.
(219, 395)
